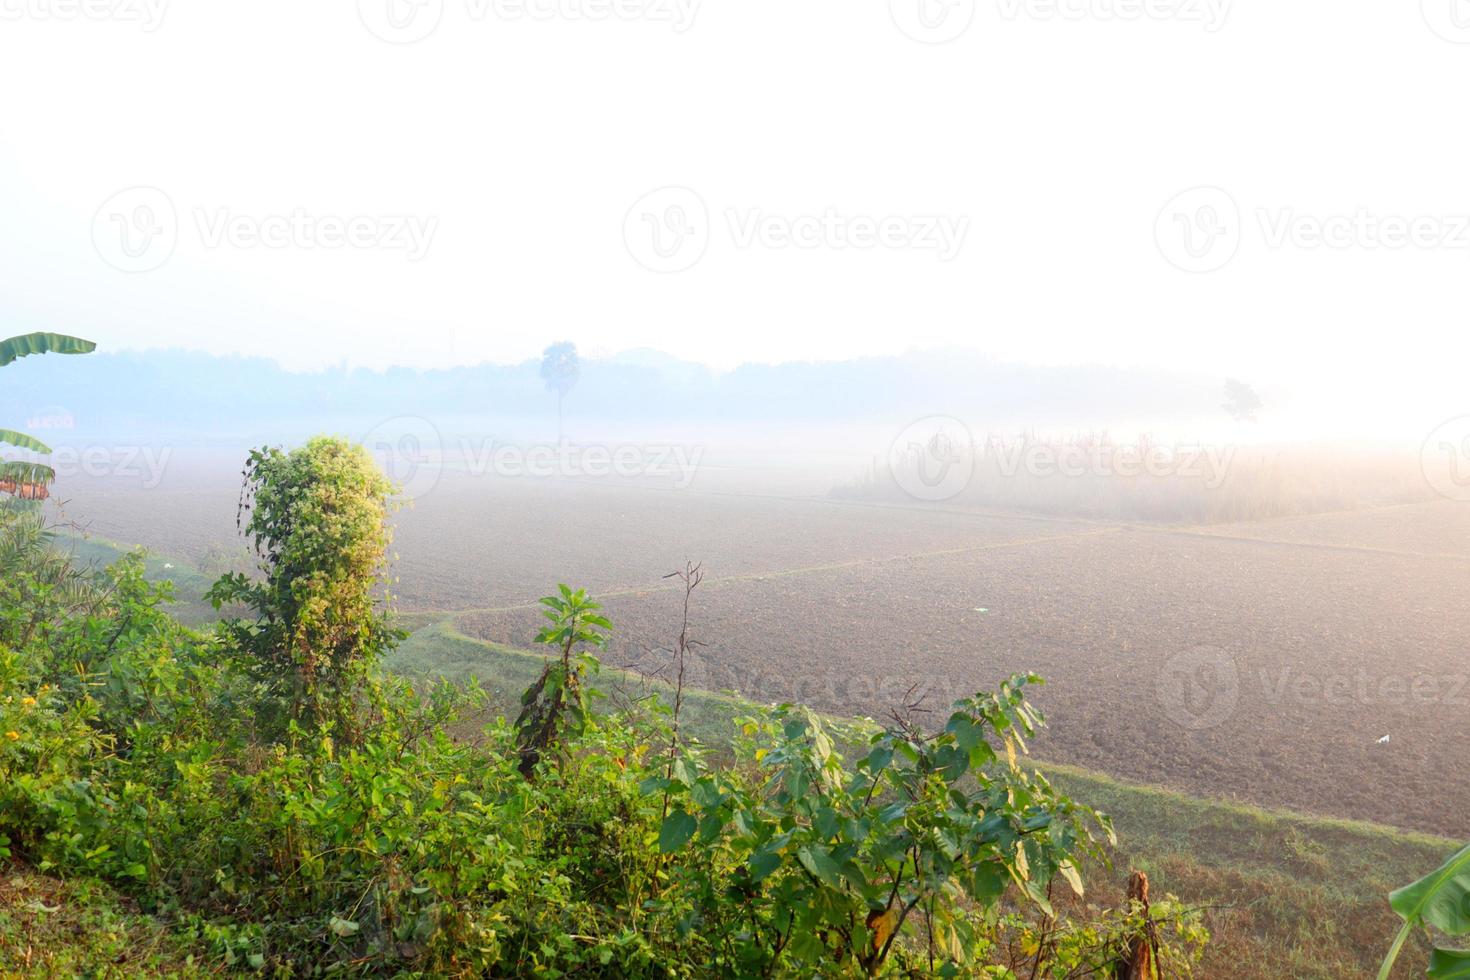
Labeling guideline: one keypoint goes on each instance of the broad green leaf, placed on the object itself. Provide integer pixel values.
(981, 755)
(42, 343)
(710, 827)
(951, 762)
(677, 828)
(706, 794)
(1441, 899)
(9, 437)
(652, 785)
(763, 862)
(1037, 891)
(855, 877)
(818, 860)
(893, 811)
(988, 882)
(1449, 964)
(879, 759)
(966, 733)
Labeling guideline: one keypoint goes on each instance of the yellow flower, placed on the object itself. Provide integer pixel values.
(27, 701)
(13, 736)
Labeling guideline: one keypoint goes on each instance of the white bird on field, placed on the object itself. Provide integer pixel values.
(1383, 740)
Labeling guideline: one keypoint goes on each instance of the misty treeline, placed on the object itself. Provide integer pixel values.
(192, 390)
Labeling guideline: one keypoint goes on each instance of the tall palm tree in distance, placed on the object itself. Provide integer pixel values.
(560, 370)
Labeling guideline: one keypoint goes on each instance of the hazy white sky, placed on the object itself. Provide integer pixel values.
(313, 192)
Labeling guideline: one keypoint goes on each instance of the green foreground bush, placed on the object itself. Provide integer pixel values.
(290, 809)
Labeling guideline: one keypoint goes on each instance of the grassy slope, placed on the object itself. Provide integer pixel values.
(189, 584)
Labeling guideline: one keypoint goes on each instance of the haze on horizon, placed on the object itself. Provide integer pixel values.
(687, 185)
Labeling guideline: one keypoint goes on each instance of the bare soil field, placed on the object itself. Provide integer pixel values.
(1261, 661)
(1438, 528)
(476, 543)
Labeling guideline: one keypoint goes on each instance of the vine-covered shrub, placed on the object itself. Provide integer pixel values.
(318, 521)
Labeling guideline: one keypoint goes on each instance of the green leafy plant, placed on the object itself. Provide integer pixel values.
(1442, 900)
(833, 866)
(24, 478)
(555, 707)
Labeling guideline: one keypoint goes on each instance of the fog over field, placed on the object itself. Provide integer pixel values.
(1218, 611)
